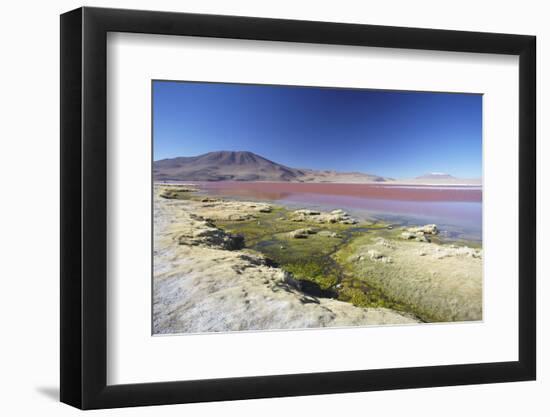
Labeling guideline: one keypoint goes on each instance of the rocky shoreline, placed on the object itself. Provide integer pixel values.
(203, 283)
(216, 268)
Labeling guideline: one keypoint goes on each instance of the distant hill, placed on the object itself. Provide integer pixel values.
(341, 177)
(435, 176)
(440, 178)
(246, 166)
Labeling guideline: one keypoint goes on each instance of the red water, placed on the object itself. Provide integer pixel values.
(280, 190)
(458, 208)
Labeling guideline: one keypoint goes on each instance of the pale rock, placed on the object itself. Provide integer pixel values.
(328, 233)
(335, 216)
(428, 229)
(301, 233)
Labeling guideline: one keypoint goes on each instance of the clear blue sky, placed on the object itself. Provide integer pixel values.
(389, 133)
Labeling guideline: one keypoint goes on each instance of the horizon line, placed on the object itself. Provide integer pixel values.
(424, 173)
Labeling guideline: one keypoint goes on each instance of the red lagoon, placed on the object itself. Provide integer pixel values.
(456, 208)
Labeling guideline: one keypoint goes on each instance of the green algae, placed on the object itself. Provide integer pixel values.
(311, 259)
(307, 259)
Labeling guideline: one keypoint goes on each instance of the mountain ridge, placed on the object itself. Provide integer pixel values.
(248, 166)
(245, 166)
(223, 166)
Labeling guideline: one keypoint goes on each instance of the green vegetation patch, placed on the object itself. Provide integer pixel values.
(412, 282)
(362, 288)
(365, 297)
(307, 258)
(175, 193)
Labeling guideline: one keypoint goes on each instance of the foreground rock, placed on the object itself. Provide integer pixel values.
(328, 233)
(428, 229)
(301, 233)
(198, 231)
(217, 210)
(200, 286)
(335, 216)
(174, 191)
(420, 233)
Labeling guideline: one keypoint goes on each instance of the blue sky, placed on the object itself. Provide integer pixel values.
(389, 133)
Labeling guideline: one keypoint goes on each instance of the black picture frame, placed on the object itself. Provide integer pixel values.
(84, 207)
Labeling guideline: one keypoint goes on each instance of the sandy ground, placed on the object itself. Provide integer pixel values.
(202, 283)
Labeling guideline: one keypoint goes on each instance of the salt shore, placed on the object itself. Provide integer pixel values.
(205, 280)
(202, 286)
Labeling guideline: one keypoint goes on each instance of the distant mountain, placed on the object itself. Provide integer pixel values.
(435, 176)
(440, 178)
(341, 177)
(246, 166)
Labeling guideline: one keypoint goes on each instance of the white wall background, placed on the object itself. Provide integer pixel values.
(29, 239)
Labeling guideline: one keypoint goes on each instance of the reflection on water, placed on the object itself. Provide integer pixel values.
(456, 209)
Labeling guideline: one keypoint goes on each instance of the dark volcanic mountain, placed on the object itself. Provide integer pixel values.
(223, 165)
(247, 166)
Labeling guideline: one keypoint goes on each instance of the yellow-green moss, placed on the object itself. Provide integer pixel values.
(307, 259)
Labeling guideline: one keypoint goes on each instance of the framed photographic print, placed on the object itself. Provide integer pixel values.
(258, 207)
